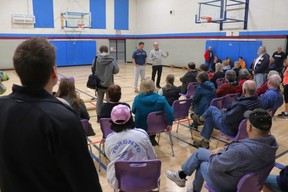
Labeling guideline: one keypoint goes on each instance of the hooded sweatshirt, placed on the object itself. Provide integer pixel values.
(147, 103)
(106, 66)
(204, 94)
(240, 158)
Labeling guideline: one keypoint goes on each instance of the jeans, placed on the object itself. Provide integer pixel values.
(260, 79)
(139, 70)
(213, 119)
(210, 64)
(198, 161)
(158, 69)
(100, 98)
(272, 184)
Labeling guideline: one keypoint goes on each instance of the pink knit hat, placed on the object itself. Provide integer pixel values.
(120, 114)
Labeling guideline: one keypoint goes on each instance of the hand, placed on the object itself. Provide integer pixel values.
(169, 128)
(216, 151)
(253, 72)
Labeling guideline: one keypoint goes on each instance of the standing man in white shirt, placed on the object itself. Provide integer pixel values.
(156, 56)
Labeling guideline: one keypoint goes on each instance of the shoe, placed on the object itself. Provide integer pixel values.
(201, 144)
(282, 114)
(136, 91)
(194, 126)
(174, 176)
(153, 141)
(198, 120)
(158, 86)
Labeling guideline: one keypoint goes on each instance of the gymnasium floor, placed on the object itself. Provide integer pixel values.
(182, 146)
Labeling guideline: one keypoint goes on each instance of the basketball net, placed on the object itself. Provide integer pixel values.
(205, 19)
(81, 26)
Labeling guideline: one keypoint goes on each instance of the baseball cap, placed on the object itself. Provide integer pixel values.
(259, 118)
(120, 114)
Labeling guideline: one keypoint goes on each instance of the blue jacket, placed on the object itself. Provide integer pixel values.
(147, 103)
(271, 99)
(204, 94)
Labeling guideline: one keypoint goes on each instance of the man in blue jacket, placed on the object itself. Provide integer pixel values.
(223, 168)
(228, 120)
(42, 142)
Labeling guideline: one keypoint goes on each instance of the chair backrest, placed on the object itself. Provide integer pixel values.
(157, 122)
(85, 124)
(181, 108)
(191, 89)
(229, 99)
(140, 176)
(242, 132)
(219, 82)
(217, 102)
(254, 181)
(105, 125)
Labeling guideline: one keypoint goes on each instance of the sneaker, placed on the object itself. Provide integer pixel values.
(283, 114)
(136, 91)
(202, 144)
(158, 86)
(174, 176)
(153, 141)
(199, 120)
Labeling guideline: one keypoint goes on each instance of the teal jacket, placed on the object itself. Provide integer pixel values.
(147, 103)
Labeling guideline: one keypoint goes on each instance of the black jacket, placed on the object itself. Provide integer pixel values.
(263, 64)
(171, 94)
(189, 77)
(42, 145)
(282, 179)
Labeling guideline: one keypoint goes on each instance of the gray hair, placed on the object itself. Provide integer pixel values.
(250, 87)
(218, 67)
(273, 72)
(243, 74)
(147, 86)
(230, 75)
(274, 80)
(263, 49)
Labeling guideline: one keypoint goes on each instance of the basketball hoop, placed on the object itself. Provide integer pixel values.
(81, 25)
(205, 19)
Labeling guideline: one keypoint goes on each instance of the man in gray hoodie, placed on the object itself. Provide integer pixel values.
(223, 168)
(106, 67)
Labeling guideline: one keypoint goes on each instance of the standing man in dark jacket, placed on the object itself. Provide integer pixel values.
(189, 77)
(209, 57)
(106, 67)
(261, 67)
(278, 57)
(223, 168)
(228, 120)
(42, 142)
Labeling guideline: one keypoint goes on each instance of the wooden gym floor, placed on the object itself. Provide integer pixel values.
(182, 141)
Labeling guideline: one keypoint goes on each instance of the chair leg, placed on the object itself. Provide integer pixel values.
(177, 126)
(158, 138)
(218, 141)
(171, 142)
(100, 145)
(191, 129)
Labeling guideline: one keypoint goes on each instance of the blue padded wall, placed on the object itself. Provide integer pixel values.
(98, 14)
(121, 14)
(44, 14)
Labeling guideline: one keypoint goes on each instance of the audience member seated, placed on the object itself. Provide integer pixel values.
(113, 98)
(169, 91)
(230, 62)
(226, 66)
(204, 67)
(277, 183)
(148, 101)
(272, 98)
(228, 120)
(216, 60)
(261, 90)
(237, 67)
(218, 74)
(189, 77)
(244, 75)
(242, 62)
(230, 87)
(223, 168)
(285, 85)
(126, 142)
(204, 94)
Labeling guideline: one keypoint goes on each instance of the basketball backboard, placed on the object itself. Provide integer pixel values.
(75, 20)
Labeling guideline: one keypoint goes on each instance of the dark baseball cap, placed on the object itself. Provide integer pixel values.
(259, 118)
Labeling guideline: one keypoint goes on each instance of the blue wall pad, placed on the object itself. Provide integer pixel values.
(44, 14)
(71, 53)
(121, 14)
(98, 14)
(234, 49)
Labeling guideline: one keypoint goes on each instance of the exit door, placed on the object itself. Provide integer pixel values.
(118, 50)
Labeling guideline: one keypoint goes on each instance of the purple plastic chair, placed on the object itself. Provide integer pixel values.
(157, 123)
(252, 182)
(181, 111)
(219, 82)
(85, 124)
(191, 89)
(138, 176)
(105, 126)
(229, 99)
(217, 102)
(241, 134)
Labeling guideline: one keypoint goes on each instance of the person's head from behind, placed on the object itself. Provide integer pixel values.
(225, 63)
(103, 49)
(261, 50)
(230, 75)
(34, 62)
(218, 67)
(170, 79)
(240, 59)
(202, 77)
(147, 86)
(243, 74)
(204, 67)
(210, 48)
(191, 66)
(249, 88)
(121, 118)
(141, 45)
(237, 64)
(274, 81)
(114, 93)
(156, 45)
(259, 123)
(272, 72)
(228, 59)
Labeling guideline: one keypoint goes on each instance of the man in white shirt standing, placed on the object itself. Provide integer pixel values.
(156, 56)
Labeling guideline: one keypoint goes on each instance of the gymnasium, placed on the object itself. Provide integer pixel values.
(205, 83)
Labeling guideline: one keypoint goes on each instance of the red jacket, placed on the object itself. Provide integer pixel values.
(207, 56)
(226, 89)
(261, 90)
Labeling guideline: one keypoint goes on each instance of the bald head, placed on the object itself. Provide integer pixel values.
(274, 81)
(156, 45)
(249, 88)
